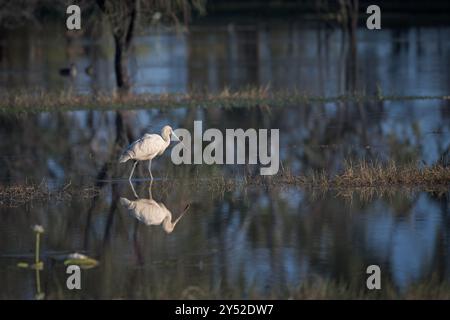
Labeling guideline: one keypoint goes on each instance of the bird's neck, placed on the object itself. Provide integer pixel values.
(166, 138)
(167, 223)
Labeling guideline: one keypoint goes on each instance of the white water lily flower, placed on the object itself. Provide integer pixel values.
(38, 228)
(77, 255)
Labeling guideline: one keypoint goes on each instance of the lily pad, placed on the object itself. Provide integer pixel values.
(80, 260)
(38, 266)
(40, 296)
(24, 265)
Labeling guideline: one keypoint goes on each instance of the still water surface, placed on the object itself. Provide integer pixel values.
(308, 57)
(254, 242)
(239, 243)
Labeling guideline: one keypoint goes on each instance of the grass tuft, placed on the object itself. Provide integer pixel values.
(15, 195)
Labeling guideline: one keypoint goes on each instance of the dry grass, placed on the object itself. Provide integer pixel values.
(371, 175)
(23, 101)
(367, 180)
(326, 289)
(16, 195)
(315, 288)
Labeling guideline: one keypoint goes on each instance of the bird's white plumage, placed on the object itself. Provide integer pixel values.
(151, 212)
(147, 147)
(148, 211)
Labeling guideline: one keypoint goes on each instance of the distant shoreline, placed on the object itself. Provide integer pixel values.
(31, 102)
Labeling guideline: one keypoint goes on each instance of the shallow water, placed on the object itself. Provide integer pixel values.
(74, 146)
(305, 56)
(253, 242)
(247, 242)
(257, 243)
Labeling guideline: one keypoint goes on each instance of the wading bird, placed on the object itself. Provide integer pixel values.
(89, 70)
(71, 71)
(147, 148)
(151, 212)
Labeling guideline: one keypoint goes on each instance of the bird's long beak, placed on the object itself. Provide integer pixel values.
(177, 138)
(181, 214)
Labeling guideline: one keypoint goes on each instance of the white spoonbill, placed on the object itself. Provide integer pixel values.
(151, 212)
(147, 148)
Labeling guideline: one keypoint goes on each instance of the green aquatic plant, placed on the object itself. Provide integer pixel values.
(39, 265)
(80, 260)
(24, 265)
(38, 230)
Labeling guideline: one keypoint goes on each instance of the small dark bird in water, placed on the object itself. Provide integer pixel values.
(89, 70)
(69, 72)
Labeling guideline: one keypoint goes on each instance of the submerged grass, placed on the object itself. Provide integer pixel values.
(377, 174)
(366, 174)
(42, 101)
(364, 178)
(16, 195)
(312, 288)
(323, 289)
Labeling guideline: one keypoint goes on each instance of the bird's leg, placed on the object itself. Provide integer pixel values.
(150, 169)
(150, 190)
(132, 170)
(132, 188)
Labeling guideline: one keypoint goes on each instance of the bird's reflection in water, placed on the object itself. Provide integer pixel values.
(150, 211)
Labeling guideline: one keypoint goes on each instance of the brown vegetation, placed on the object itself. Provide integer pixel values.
(365, 179)
(16, 195)
(14, 102)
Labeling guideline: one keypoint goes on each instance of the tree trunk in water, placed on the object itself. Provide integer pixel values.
(122, 16)
(353, 42)
(121, 65)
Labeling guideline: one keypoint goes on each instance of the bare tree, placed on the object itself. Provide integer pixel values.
(125, 15)
(122, 16)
